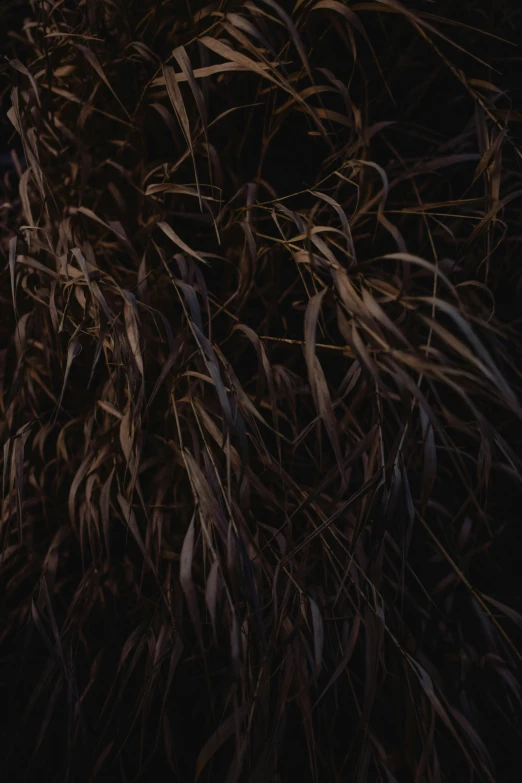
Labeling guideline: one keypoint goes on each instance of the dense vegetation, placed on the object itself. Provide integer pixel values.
(259, 391)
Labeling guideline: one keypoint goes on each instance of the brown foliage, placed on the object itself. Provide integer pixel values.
(259, 392)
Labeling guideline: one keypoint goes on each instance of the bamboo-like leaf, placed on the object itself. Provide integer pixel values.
(73, 351)
(225, 730)
(22, 69)
(94, 62)
(132, 328)
(168, 231)
(317, 379)
(185, 575)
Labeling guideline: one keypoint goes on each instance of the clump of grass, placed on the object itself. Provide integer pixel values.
(259, 392)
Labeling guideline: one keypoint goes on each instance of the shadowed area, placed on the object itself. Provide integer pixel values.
(260, 410)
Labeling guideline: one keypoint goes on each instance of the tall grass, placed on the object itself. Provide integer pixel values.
(260, 375)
